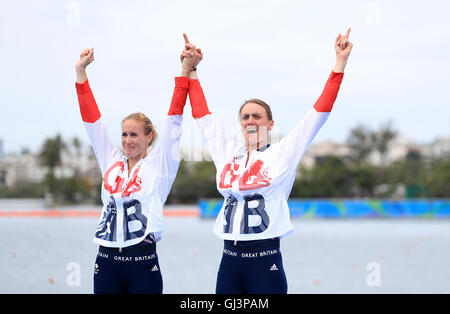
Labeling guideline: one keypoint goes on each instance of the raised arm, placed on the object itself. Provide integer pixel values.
(342, 46)
(295, 144)
(190, 58)
(88, 107)
(164, 157)
(98, 136)
(219, 144)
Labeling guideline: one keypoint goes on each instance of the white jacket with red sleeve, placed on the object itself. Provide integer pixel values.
(133, 205)
(255, 196)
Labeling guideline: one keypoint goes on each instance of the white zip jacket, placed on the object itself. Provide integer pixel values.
(133, 205)
(255, 196)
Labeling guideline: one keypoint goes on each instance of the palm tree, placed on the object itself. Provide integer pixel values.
(360, 142)
(382, 138)
(50, 157)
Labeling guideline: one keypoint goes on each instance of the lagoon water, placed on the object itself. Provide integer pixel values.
(44, 255)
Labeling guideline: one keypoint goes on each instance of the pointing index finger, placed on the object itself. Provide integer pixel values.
(186, 40)
(348, 33)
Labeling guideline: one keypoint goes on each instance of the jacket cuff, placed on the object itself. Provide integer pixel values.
(198, 100)
(179, 96)
(88, 107)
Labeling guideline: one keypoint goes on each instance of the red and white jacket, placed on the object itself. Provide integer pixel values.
(133, 205)
(255, 196)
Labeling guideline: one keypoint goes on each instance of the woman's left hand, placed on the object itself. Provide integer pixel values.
(343, 47)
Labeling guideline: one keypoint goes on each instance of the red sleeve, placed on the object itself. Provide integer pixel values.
(88, 106)
(198, 100)
(329, 94)
(179, 96)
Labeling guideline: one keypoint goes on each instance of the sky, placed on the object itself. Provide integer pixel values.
(279, 51)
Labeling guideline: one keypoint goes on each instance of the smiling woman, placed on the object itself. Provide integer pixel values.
(256, 121)
(256, 179)
(138, 134)
(136, 183)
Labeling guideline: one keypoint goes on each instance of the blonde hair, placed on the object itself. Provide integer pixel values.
(258, 102)
(148, 125)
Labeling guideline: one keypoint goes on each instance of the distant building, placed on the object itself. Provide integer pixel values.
(15, 168)
(439, 148)
(324, 149)
(403, 147)
(20, 169)
(399, 148)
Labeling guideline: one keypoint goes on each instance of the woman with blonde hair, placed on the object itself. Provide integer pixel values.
(135, 186)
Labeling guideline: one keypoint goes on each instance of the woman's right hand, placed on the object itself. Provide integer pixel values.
(86, 57)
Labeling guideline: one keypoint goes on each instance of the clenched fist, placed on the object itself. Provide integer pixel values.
(86, 57)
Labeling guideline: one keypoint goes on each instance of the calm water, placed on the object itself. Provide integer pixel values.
(321, 256)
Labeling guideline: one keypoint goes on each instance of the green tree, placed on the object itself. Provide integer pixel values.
(330, 177)
(364, 180)
(194, 181)
(334, 177)
(23, 190)
(50, 154)
(438, 179)
(360, 142)
(382, 138)
(50, 157)
(77, 145)
(73, 189)
(410, 173)
(363, 141)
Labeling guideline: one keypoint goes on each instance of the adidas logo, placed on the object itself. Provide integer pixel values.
(155, 268)
(274, 267)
